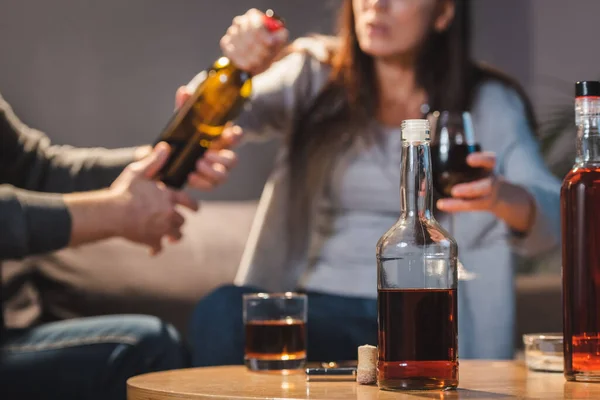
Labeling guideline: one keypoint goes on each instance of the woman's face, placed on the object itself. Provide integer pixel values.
(388, 28)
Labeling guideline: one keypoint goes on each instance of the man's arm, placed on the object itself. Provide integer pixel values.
(31, 223)
(135, 207)
(35, 223)
(29, 161)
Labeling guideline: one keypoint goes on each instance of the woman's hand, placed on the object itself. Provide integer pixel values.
(135, 207)
(479, 195)
(511, 203)
(213, 168)
(249, 45)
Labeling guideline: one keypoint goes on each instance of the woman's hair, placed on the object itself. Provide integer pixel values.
(445, 70)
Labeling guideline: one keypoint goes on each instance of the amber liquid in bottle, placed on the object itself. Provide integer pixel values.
(580, 211)
(425, 355)
(580, 202)
(196, 126)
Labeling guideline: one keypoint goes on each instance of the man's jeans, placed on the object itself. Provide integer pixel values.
(87, 358)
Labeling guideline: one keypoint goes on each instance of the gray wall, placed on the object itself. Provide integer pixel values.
(565, 34)
(104, 72)
(507, 49)
(546, 44)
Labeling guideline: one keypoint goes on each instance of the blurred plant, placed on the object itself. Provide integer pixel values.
(557, 144)
(557, 139)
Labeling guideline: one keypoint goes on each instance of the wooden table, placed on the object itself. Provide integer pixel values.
(478, 380)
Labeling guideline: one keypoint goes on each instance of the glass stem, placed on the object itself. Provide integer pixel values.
(463, 273)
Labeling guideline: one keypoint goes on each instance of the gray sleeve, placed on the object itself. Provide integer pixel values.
(28, 160)
(502, 122)
(32, 223)
(279, 94)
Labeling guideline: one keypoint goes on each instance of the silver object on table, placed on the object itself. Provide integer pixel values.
(331, 374)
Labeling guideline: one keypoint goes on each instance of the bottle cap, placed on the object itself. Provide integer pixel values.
(272, 21)
(415, 130)
(587, 88)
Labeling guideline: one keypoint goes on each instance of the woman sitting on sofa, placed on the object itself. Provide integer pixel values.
(339, 102)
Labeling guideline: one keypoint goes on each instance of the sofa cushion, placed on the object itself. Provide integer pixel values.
(116, 276)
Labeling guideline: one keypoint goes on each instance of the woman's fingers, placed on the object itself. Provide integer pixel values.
(484, 159)
(460, 205)
(471, 190)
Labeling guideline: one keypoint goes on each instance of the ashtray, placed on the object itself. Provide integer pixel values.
(544, 351)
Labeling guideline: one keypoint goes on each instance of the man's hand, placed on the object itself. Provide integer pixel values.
(148, 206)
(135, 207)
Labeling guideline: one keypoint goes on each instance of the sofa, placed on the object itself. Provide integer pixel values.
(115, 276)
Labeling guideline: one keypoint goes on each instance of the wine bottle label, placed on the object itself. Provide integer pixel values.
(209, 134)
(209, 129)
(214, 106)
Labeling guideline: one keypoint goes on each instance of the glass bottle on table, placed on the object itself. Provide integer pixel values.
(453, 141)
(417, 282)
(580, 211)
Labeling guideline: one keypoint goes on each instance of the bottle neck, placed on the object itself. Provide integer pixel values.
(239, 73)
(587, 120)
(416, 200)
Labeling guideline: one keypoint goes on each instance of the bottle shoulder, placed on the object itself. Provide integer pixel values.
(418, 236)
(585, 175)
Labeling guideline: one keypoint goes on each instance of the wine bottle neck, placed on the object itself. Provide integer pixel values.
(587, 119)
(416, 200)
(234, 70)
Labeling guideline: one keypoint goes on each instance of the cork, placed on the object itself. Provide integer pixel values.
(366, 371)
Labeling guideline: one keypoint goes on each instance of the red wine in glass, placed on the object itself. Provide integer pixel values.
(453, 142)
(450, 167)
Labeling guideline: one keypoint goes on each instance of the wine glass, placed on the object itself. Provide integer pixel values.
(454, 140)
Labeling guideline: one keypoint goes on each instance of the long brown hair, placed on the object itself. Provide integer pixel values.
(445, 70)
